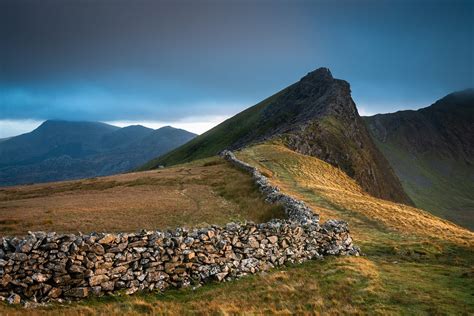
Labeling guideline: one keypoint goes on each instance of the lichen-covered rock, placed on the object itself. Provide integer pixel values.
(79, 292)
(98, 279)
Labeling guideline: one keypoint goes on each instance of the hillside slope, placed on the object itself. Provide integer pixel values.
(413, 264)
(204, 192)
(315, 116)
(432, 152)
(60, 150)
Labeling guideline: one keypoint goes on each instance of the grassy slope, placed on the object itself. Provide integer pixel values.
(216, 139)
(432, 153)
(315, 116)
(200, 193)
(440, 185)
(414, 263)
(359, 162)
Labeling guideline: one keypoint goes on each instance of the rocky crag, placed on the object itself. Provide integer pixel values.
(48, 266)
(315, 116)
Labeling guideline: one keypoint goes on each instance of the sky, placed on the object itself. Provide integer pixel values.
(192, 64)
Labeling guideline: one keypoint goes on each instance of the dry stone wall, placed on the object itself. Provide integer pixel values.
(49, 266)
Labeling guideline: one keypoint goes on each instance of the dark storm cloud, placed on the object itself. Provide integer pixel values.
(113, 60)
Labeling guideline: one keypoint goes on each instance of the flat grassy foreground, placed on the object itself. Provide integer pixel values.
(414, 263)
(209, 191)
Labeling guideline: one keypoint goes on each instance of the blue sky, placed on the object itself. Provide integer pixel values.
(192, 64)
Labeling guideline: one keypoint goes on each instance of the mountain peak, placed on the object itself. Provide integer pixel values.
(459, 99)
(315, 116)
(318, 75)
(166, 127)
(48, 123)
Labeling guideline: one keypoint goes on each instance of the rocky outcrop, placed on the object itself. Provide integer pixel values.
(315, 116)
(325, 124)
(49, 266)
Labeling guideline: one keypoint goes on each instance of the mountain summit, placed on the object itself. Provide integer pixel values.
(315, 116)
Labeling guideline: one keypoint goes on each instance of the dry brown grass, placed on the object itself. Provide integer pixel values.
(333, 185)
(405, 271)
(206, 192)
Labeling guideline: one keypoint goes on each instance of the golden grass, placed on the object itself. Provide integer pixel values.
(405, 271)
(331, 184)
(206, 192)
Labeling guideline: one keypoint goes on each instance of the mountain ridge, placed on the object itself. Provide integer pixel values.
(298, 115)
(432, 151)
(63, 150)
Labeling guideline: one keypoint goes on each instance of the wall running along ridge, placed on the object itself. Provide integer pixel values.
(49, 266)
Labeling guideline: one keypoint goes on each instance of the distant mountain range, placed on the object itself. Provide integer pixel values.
(60, 150)
(315, 116)
(432, 152)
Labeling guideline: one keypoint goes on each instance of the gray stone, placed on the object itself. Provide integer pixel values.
(14, 299)
(96, 290)
(98, 279)
(108, 286)
(221, 276)
(131, 290)
(55, 292)
(79, 292)
(98, 249)
(39, 277)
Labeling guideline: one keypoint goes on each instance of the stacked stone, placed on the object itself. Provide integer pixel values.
(48, 266)
(296, 211)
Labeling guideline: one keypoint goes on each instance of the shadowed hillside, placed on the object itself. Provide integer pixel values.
(61, 150)
(315, 116)
(432, 152)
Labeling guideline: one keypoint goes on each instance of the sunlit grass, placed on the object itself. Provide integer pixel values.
(413, 263)
(205, 192)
